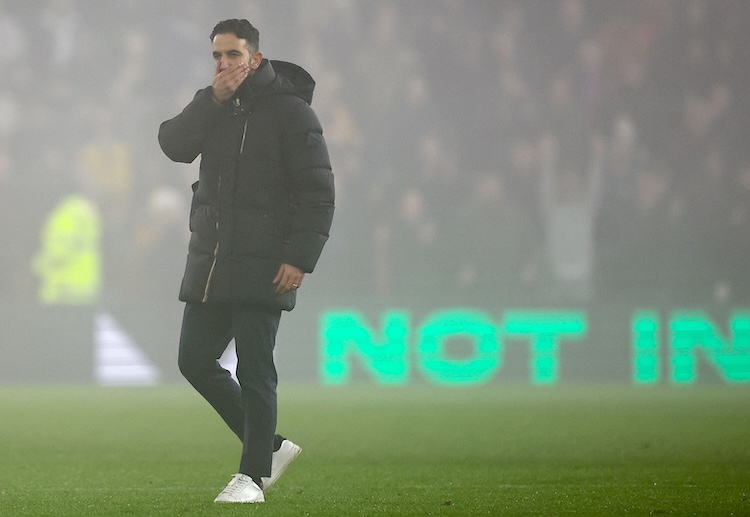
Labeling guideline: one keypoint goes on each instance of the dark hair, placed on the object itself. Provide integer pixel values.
(243, 29)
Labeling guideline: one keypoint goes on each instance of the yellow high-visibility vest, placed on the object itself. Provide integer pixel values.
(69, 260)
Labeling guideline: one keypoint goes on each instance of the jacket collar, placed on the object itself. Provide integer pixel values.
(278, 77)
(260, 80)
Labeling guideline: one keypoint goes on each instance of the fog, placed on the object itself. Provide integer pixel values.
(487, 154)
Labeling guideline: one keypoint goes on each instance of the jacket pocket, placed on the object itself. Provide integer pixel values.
(203, 234)
(193, 205)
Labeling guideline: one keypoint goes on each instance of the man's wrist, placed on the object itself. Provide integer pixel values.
(214, 98)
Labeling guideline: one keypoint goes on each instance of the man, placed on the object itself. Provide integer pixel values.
(260, 215)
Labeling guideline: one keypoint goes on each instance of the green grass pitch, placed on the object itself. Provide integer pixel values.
(87, 451)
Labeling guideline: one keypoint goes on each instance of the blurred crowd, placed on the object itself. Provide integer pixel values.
(529, 150)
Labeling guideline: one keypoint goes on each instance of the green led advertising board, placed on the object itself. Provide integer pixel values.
(401, 350)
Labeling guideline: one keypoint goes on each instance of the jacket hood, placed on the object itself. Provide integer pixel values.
(279, 77)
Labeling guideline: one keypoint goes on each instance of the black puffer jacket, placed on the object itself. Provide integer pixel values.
(265, 193)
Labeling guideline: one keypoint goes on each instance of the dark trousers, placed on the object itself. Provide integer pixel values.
(249, 409)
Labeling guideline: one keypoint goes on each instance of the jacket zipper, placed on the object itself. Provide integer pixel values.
(216, 248)
(211, 271)
(244, 134)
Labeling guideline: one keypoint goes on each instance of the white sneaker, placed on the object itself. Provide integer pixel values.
(242, 489)
(280, 461)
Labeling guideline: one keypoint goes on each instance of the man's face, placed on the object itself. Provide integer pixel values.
(230, 51)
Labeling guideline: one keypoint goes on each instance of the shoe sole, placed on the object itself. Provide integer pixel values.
(286, 454)
(242, 501)
(229, 495)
